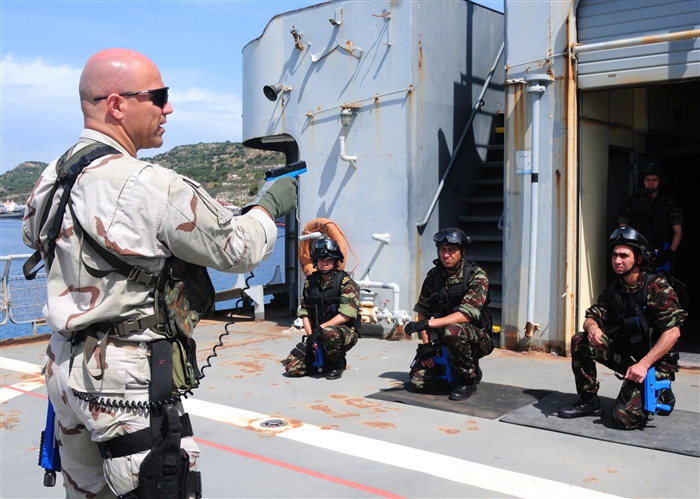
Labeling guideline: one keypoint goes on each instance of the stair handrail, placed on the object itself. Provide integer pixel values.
(477, 106)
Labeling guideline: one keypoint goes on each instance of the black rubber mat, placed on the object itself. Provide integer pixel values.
(678, 433)
(491, 401)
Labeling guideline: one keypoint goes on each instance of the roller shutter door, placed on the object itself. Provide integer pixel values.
(605, 21)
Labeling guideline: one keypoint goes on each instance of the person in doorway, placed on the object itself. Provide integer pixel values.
(329, 312)
(117, 236)
(657, 217)
(452, 312)
(634, 326)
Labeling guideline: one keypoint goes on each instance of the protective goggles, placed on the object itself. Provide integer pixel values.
(159, 96)
(325, 244)
(450, 236)
(625, 233)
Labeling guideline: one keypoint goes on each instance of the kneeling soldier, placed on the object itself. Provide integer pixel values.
(329, 310)
(453, 306)
(634, 326)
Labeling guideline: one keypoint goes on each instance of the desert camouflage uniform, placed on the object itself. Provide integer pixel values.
(466, 343)
(336, 340)
(665, 312)
(143, 213)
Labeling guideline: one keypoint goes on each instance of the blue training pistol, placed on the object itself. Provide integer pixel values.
(652, 391)
(318, 363)
(666, 267)
(444, 361)
(49, 458)
(291, 170)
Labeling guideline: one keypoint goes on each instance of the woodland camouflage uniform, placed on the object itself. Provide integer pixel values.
(336, 340)
(466, 343)
(665, 312)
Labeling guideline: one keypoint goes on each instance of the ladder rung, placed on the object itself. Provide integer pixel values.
(488, 181)
(485, 258)
(487, 239)
(478, 219)
(484, 200)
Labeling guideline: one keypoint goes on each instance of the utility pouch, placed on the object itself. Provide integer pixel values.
(633, 329)
(185, 369)
(185, 293)
(672, 356)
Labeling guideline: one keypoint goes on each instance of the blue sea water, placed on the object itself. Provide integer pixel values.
(11, 244)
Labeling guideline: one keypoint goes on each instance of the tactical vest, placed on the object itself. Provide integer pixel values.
(450, 297)
(652, 221)
(322, 304)
(629, 312)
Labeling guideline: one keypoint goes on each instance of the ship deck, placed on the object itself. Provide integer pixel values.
(353, 438)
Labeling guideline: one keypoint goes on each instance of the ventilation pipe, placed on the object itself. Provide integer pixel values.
(536, 88)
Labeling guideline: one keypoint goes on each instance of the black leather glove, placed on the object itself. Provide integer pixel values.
(424, 351)
(663, 256)
(414, 327)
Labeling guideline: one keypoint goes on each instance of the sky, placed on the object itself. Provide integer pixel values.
(196, 44)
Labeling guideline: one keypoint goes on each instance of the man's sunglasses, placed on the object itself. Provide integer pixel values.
(159, 96)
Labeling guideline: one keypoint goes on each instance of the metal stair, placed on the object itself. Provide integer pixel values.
(484, 208)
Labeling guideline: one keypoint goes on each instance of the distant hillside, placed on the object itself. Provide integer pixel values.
(16, 184)
(228, 170)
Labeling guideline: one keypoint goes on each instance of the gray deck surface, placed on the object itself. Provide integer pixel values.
(340, 440)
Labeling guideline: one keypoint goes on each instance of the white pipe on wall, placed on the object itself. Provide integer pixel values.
(535, 90)
(345, 157)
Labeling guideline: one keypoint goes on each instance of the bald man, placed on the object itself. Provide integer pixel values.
(121, 426)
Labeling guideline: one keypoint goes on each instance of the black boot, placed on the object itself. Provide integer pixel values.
(463, 390)
(336, 368)
(586, 406)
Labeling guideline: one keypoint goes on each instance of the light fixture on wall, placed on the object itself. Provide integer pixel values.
(345, 116)
(272, 91)
(347, 111)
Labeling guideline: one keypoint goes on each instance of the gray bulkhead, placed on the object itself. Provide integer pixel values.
(409, 72)
(618, 85)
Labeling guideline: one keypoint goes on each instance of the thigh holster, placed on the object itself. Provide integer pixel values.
(165, 472)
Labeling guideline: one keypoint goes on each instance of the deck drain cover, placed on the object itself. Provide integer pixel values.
(273, 423)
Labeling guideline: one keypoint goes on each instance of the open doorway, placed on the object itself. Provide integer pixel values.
(666, 120)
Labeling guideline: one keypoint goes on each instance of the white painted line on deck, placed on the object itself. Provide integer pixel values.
(438, 465)
(12, 391)
(19, 366)
(446, 467)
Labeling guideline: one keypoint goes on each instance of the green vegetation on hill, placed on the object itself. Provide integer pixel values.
(228, 170)
(16, 184)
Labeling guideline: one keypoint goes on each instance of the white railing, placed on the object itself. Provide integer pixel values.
(21, 301)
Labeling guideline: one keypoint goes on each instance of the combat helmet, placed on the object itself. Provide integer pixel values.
(452, 236)
(629, 236)
(651, 169)
(326, 248)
